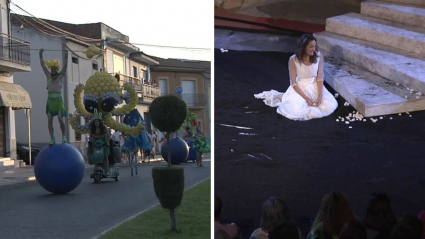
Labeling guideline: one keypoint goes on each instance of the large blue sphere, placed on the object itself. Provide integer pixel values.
(179, 150)
(59, 168)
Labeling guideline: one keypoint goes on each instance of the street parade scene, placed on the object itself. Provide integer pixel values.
(103, 135)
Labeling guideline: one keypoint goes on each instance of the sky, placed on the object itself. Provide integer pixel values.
(184, 23)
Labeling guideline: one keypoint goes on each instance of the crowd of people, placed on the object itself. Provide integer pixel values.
(334, 220)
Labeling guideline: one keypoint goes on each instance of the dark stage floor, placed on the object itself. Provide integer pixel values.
(302, 161)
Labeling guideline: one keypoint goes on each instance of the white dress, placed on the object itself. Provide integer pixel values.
(290, 104)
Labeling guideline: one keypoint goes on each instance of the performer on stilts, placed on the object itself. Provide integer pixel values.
(54, 104)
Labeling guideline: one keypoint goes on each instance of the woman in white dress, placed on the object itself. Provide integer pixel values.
(306, 97)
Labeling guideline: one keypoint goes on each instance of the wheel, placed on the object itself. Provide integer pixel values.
(97, 178)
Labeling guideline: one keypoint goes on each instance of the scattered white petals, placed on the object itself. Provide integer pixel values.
(391, 118)
(399, 114)
(364, 120)
(405, 96)
(234, 126)
(223, 50)
(337, 120)
(397, 83)
(381, 117)
(407, 88)
(410, 115)
(350, 127)
(347, 122)
(417, 97)
(336, 95)
(419, 93)
(231, 150)
(346, 104)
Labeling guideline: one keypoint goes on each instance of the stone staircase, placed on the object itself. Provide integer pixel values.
(376, 59)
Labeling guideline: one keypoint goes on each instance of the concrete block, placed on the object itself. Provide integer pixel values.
(410, 15)
(387, 33)
(370, 94)
(400, 67)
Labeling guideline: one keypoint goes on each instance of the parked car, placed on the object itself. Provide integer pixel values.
(22, 152)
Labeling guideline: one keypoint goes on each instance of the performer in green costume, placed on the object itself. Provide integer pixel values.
(55, 105)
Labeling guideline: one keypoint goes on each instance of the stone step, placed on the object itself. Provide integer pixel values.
(7, 164)
(401, 67)
(410, 15)
(368, 93)
(387, 33)
(410, 2)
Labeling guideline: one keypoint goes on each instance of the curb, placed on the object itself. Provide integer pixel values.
(139, 213)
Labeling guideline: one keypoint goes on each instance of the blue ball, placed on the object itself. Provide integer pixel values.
(179, 150)
(59, 168)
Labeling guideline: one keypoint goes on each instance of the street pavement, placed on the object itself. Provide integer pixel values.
(29, 211)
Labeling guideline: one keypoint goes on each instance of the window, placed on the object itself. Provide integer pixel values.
(118, 64)
(75, 60)
(95, 66)
(163, 86)
(135, 71)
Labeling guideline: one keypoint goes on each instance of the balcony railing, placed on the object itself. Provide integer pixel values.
(150, 92)
(192, 100)
(133, 80)
(14, 50)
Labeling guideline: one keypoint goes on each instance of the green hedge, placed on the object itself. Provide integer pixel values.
(168, 183)
(167, 113)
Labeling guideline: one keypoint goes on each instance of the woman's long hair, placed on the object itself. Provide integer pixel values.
(101, 126)
(379, 214)
(334, 212)
(302, 45)
(275, 212)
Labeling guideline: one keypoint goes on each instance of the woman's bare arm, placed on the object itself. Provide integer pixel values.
(319, 80)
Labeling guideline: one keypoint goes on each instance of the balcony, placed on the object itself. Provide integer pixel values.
(146, 92)
(129, 79)
(192, 100)
(149, 92)
(14, 54)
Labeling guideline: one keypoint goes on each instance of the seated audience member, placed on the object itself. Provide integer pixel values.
(220, 234)
(353, 230)
(409, 227)
(231, 229)
(334, 213)
(319, 233)
(422, 218)
(275, 212)
(380, 218)
(286, 230)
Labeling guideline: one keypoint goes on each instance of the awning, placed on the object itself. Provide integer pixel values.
(12, 95)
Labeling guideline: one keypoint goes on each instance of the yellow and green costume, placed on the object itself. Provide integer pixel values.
(55, 104)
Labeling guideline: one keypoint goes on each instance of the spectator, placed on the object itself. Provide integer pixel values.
(380, 218)
(286, 230)
(275, 212)
(231, 229)
(409, 227)
(333, 214)
(353, 230)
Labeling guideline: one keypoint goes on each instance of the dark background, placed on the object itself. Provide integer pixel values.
(302, 161)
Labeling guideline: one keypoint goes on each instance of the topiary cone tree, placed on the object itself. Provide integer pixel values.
(167, 115)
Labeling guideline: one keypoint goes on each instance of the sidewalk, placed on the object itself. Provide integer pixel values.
(26, 174)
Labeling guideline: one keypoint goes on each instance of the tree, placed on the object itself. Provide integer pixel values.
(167, 115)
